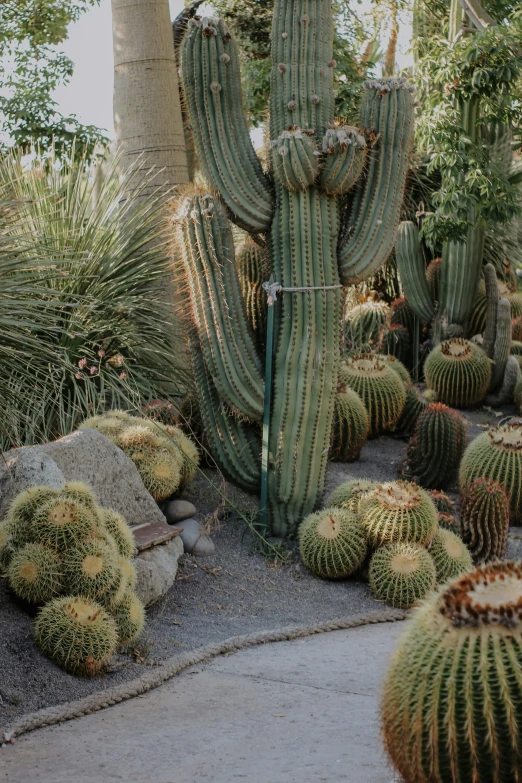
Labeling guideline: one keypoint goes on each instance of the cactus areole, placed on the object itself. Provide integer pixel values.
(317, 239)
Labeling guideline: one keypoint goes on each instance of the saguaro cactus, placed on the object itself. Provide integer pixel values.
(315, 242)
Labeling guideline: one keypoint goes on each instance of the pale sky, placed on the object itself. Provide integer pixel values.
(89, 93)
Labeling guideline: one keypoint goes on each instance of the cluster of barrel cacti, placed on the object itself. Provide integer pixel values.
(165, 457)
(392, 531)
(64, 553)
(451, 706)
(311, 240)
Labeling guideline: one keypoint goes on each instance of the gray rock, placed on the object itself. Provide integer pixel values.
(87, 455)
(195, 541)
(156, 570)
(178, 510)
(514, 544)
(24, 468)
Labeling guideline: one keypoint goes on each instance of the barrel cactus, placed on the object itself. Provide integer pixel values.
(450, 555)
(497, 454)
(395, 341)
(90, 569)
(129, 616)
(158, 464)
(484, 519)
(402, 574)
(182, 447)
(516, 329)
(396, 365)
(363, 323)
(349, 494)
(379, 387)
(516, 347)
(331, 543)
(398, 511)
(443, 503)
(64, 520)
(433, 278)
(21, 512)
(350, 426)
(253, 270)
(110, 424)
(35, 574)
(451, 708)
(78, 634)
(314, 163)
(117, 527)
(6, 549)
(413, 407)
(459, 371)
(402, 314)
(436, 446)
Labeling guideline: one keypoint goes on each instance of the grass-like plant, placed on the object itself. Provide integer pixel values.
(83, 273)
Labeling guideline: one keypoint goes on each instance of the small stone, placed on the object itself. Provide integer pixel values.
(195, 541)
(177, 510)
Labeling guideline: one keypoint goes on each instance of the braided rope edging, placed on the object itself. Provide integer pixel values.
(177, 663)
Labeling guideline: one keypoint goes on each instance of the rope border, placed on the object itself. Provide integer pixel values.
(100, 700)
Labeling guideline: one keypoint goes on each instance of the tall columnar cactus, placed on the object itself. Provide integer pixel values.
(315, 242)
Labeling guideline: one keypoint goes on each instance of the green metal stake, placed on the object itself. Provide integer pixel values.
(267, 405)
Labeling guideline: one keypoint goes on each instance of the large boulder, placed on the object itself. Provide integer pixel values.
(156, 570)
(87, 455)
(24, 468)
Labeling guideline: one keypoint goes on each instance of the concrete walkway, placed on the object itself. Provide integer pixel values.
(294, 712)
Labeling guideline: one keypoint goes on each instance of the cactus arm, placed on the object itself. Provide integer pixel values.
(212, 88)
(511, 376)
(387, 109)
(502, 347)
(460, 275)
(492, 297)
(226, 341)
(412, 271)
(235, 445)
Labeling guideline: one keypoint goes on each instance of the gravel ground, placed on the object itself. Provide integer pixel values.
(234, 591)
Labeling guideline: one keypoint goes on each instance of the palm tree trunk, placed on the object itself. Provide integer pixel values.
(147, 111)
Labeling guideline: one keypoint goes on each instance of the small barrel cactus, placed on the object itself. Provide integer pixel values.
(91, 569)
(450, 555)
(35, 574)
(436, 446)
(6, 549)
(402, 574)
(182, 446)
(331, 543)
(110, 424)
(443, 502)
(129, 615)
(64, 520)
(451, 709)
(415, 404)
(402, 314)
(350, 426)
(396, 365)
(78, 634)
(117, 527)
(484, 519)
(363, 323)
(158, 465)
(398, 511)
(349, 494)
(395, 341)
(459, 371)
(21, 512)
(379, 387)
(497, 454)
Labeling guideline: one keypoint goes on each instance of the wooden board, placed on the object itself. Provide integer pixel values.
(147, 536)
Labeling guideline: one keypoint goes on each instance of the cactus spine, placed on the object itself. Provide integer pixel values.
(484, 519)
(437, 446)
(451, 706)
(312, 159)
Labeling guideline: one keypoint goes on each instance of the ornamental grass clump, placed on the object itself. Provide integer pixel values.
(379, 387)
(331, 543)
(59, 542)
(459, 371)
(451, 710)
(497, 454)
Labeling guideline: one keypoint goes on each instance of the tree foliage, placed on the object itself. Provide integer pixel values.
(31, 68)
